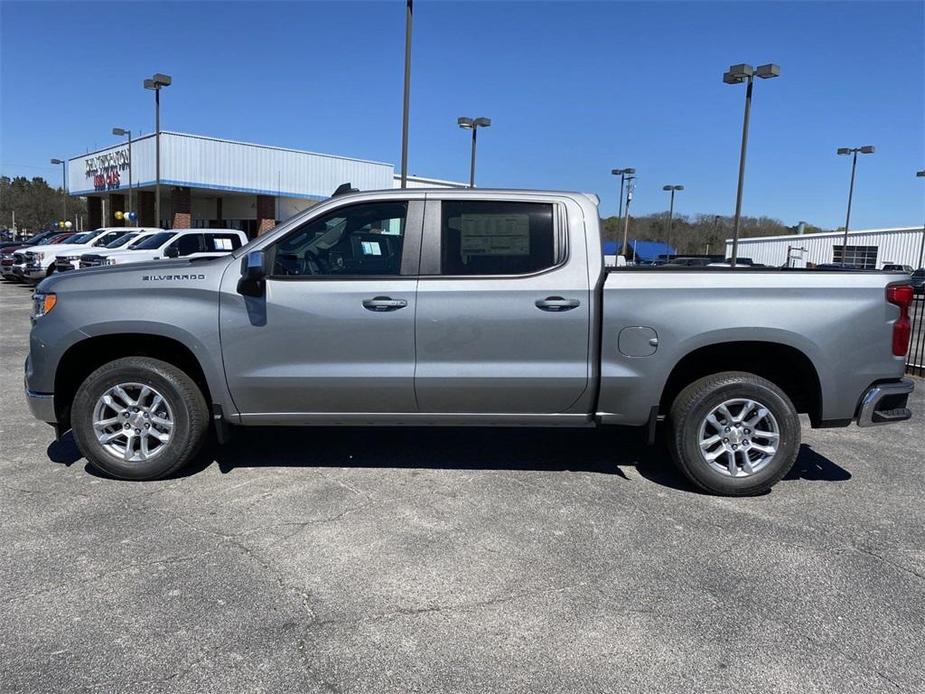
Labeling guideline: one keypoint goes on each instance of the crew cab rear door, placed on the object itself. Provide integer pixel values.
(503, 306)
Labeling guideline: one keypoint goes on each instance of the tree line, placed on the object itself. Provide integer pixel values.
(36, 204)
(695, 234)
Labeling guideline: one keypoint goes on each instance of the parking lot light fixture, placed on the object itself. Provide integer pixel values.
(63, 184)
(853, 151)
(121, 132)
(157, 82)
(473, 124)
(626, 219)
(622, 173)
(736, 75)
(672, 189)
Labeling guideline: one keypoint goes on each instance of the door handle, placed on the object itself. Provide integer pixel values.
(557, 304)
(381, 304)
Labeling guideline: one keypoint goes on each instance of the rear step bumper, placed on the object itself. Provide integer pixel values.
(885, 403)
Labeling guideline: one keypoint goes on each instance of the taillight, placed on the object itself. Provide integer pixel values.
(901, 295)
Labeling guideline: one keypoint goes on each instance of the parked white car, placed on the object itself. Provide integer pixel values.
(40, 260)
(173, 243)
(94, 259)
(70, 259)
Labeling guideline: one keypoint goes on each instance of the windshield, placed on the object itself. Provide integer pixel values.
(137, 242)
(82, 238)
(121, 240)
(153, 241)
(41, 238)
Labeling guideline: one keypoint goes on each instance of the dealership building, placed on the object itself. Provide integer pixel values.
(208, 182)
(866, 248)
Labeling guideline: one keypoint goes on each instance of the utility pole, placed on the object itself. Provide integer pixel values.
(409, 20)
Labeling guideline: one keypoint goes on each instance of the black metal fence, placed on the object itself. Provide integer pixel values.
(915, 359)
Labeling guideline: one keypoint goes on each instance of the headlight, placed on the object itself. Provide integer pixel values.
(43, 303)
(38, 256)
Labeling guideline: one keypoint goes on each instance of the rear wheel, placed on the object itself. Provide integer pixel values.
(139, 418)
(734, 433)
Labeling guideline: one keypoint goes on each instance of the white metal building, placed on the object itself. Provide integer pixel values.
(211, 182)
(868, 248)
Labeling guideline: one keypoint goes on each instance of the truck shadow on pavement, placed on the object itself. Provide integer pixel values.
(578, 450)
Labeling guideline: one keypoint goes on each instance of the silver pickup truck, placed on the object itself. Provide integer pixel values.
(463, 307)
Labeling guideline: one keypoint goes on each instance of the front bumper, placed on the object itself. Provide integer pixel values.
(42, 406)
(34, 272)
(885, 403)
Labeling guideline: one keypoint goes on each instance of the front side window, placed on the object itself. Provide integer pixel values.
(496, 238)
(363, 239)
(121, 240)
(108, 237)
(151, 242)
(188, 244)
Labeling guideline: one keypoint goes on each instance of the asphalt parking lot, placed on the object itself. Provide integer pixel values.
(335, 560)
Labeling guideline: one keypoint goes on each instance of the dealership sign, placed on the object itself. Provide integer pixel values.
(104, 168)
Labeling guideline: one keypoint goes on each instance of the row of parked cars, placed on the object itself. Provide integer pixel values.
(51, 252)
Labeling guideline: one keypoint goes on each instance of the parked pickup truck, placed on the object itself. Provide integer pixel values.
(463, 307)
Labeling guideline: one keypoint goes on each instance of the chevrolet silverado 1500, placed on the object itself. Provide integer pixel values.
(463, 307)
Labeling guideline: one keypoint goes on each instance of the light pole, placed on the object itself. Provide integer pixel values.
(622, 173)
(626, 218)
(63, 185)
(736, 75)
(866, 149)
(409, 20)
(921, 174)
(157, 82)
(120, 132)
(472, 124)
(672, 190)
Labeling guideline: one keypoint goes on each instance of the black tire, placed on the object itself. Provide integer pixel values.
(187, 405)
(698, 400)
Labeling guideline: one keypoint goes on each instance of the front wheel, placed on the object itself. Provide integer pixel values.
(734, 433)
(139, 418)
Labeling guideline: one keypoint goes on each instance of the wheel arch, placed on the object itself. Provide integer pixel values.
(784, 365)
(84, 357)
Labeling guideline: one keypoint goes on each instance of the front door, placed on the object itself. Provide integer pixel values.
(334, 331)
(503, 309)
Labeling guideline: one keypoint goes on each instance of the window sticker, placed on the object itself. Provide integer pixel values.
(495, 234)
(222, 244)
(371, 248)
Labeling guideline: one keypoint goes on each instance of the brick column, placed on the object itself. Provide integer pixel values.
(116, 204)
(266, 213)
(181, 204)
(145, 205)
(94, 212)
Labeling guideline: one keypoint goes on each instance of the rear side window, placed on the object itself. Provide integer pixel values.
(222, 242)
(496, 238)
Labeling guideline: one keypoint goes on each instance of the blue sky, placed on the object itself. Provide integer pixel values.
(574, 90)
